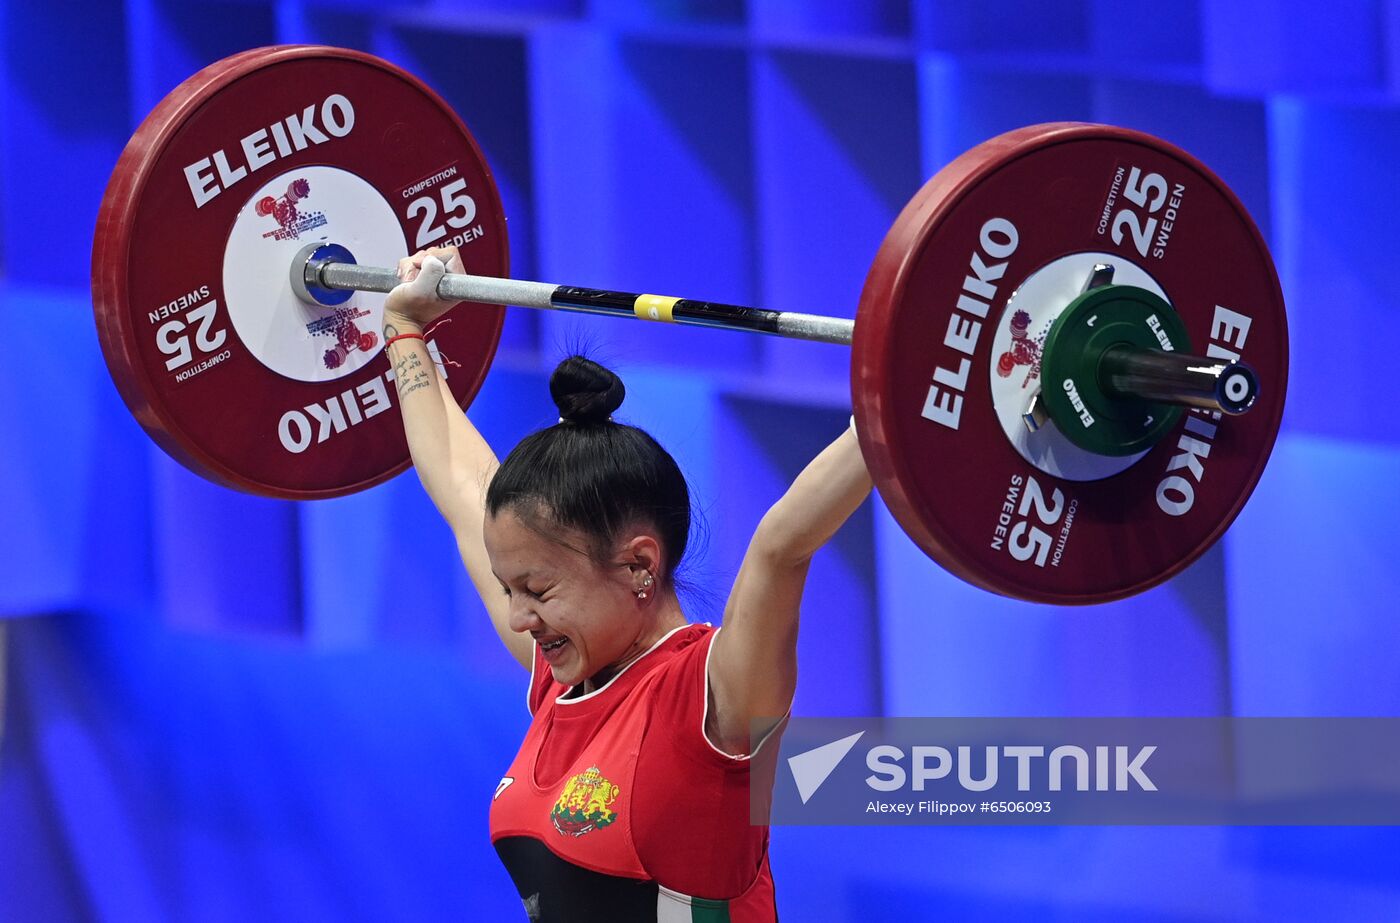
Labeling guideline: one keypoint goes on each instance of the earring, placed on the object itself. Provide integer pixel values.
(642, 593)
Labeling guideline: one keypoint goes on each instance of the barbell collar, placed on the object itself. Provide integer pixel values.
(1174, 378)
(333, 274)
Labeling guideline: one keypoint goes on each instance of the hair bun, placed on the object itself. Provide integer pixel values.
(584, 391)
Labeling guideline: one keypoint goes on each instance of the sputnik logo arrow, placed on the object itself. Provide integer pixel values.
(811, 768)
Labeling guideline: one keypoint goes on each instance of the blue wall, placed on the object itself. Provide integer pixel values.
(211, 711)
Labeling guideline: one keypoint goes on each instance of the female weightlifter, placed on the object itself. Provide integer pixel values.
(629, 798)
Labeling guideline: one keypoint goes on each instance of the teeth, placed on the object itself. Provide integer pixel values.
(553, 645)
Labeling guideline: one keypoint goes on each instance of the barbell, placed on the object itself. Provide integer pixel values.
(1068, 359)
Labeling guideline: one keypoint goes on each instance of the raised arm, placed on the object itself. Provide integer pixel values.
(453, 461)
(753, 663)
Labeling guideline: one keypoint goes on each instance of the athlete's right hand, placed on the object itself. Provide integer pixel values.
(413, 303)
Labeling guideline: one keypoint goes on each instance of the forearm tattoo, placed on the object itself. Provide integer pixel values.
(410, 374)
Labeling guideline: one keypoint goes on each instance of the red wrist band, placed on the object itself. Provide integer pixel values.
(403, 336)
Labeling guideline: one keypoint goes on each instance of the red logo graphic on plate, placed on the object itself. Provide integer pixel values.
(1024, 350)
(292, 221)
(348, 336)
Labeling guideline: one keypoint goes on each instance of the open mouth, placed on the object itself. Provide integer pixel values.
(554, 645)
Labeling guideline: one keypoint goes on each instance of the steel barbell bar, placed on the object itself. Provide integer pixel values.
(321, 273)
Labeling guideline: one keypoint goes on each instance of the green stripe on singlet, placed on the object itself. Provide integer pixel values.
(674, 907)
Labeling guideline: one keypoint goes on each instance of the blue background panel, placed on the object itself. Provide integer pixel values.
(780, 20)
(1334, 192)
(65, 114)
(1321, 531)
(221, 707)
(838, 172)
(1045, 30)
(1262, 47)
(649, 189)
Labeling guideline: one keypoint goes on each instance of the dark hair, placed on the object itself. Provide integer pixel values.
(591, 474)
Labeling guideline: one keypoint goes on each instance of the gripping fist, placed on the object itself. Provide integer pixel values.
(414, 303)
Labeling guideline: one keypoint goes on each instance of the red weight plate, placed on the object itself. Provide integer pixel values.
(240, 167)
(947, 343)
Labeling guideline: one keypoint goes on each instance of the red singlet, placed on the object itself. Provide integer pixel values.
(618, 808)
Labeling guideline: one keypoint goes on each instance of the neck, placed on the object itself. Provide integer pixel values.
(665, 617)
